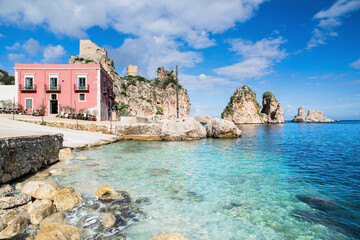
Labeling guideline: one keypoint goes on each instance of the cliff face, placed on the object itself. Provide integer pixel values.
(244, 108)
(312, 116)
(135, 95)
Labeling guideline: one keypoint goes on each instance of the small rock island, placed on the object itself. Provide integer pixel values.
(313, 116)
(244, 108)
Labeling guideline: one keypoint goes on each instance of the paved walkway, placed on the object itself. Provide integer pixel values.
(72, 138)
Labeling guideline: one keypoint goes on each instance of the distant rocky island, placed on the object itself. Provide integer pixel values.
(312, 116)
(244, 108)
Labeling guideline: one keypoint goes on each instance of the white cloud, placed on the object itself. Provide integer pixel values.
(356, 64)
(329, 19)
(31, 47)
(52, 54)
(171, 23)
(258, 58)
(13, 47)
(2, 35)
(16, 57)
(203, 82)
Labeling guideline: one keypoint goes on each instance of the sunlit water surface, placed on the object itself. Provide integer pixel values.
(242, 188)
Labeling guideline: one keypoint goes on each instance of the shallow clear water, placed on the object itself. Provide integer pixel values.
(243, 188)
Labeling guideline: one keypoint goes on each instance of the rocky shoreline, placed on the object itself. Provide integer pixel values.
(40, 209)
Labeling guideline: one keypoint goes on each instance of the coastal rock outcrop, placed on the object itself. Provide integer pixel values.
(220, 128)
(135, 95)
(313, 116)
(244, 108)
(182, 129)
(301, 116)
(107, 193)
(272, 111)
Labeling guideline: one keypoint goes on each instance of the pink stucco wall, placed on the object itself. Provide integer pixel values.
(67, 77)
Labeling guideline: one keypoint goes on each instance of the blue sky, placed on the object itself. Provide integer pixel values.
(306, 52)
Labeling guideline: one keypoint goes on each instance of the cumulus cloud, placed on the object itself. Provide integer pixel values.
(170, 23)
(52, 53)
(329, 19)
(356, 64)
(203, 82)
(32, 48)
(257, 58)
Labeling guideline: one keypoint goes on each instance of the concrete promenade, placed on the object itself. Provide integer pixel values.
(72, 138)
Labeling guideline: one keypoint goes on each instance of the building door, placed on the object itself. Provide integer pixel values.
(53, 104)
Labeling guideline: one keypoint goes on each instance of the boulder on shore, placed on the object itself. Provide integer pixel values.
(14, 201)
(182, 129)
(168, 236)
(40, 209)
(41, 189)
(65, 154)
(60, 231)
(66, 199)
(57, 217)
(16, 226)
(220, 128)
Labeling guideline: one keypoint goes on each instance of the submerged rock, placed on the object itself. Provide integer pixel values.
(82, 158)
(182, 129)
(143, 200)
(231, 206)
(168, 236)
(108, 220)
(338, 224)
(220, 128)
(317, 202)
(41, 189)
(66, 199)
(15, 227)
(60, 231)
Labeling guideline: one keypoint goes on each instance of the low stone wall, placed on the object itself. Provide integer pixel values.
(22, 155)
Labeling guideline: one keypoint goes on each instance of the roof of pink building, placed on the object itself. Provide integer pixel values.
(57, 66)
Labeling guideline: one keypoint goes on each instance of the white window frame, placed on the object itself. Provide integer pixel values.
(33, 80)
(32, 103)
(57, 81)
(78, 80)
(84, 97)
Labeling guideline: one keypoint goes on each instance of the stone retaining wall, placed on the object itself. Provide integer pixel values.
(22, 155)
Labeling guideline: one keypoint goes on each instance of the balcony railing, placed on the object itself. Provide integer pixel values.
(80, 88)
(111, 94)
(28, 88)
(52, 89)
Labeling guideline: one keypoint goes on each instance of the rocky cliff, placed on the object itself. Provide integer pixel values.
(244, 108)
(312, 116)
(135, 95)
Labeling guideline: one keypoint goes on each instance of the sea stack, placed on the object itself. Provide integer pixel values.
(312, 116)
(244, 108)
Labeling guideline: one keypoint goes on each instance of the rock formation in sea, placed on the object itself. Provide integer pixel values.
(136, 95)
(312, 116)
(244, 108)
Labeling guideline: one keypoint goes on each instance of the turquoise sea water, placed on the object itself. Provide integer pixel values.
(290, 181)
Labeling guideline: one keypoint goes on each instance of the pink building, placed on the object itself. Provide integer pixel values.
(88, 86)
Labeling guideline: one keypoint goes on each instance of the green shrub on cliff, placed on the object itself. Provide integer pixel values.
(6, 79)
(159, 111)
(268, 96)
